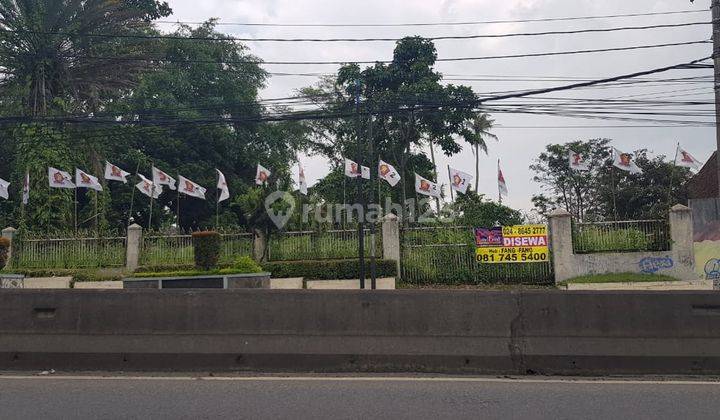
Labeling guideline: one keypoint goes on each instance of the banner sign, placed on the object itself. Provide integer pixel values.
(512, 244)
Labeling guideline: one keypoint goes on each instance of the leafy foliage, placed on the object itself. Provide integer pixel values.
(328, 269)
(207, 249)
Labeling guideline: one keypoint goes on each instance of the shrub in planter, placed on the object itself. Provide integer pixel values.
(207, 249)
(245, 264)
(4, 248)
(328, 269)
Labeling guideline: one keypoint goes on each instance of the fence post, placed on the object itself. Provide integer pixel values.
(391, 240)
(560, 224)
(681, 234)
(9, 233)
(134, 243)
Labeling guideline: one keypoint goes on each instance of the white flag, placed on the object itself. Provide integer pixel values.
(262, 175)
(352, 169)
(148, 188)
(460, 181)
(113, 173)
(387, 172)
(223, 187)
(26, 188)
(686, 160)
(59, 179)
(426, 187)
(161, 178)
(190, 188)
(85, 180)
(365, 172)
(502, 186)
(577, 161)
(301, 181)
(625, 162)
(4, 192)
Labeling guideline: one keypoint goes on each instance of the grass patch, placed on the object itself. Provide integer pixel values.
(619, 278)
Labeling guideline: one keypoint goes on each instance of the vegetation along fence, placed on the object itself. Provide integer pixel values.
(446, 255)
(164, 249)
(77, 252)
(321, 245)
(625, 236)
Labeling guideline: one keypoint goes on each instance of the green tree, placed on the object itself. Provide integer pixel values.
(474, 210)
(478, 129)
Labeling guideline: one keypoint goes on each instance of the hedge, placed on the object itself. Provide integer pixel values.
(77, 275)
(4, 247)
(207, 249)
(328, 269)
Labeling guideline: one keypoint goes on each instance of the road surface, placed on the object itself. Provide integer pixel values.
(86, 397)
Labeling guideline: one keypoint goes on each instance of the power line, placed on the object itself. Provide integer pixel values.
(455, 59)
(225, 38)
(466, 23)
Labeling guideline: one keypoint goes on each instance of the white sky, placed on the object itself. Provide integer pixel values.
(518, 147)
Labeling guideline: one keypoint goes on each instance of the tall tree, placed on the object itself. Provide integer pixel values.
(478, 129)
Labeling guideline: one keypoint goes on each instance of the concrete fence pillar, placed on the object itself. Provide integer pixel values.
(681, 234)
(134, 244)
(260, 246)
(9, 233)
(391, 239)
(560, 226)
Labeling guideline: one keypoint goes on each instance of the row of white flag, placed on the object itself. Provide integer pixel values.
(625, 161)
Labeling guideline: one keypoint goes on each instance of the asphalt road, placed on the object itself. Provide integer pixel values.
(50, 397)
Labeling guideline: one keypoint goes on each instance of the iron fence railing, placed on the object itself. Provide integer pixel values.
(320, 245)
(68, 252)
(622, 236)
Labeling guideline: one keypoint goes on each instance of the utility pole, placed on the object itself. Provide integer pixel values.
(715, 7)
(360, 195)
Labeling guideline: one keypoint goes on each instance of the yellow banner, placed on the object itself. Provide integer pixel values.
(499, 255)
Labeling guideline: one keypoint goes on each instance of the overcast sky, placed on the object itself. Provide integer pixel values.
(518, 146)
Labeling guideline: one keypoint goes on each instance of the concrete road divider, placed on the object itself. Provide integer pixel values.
(544, 332)
(289, 283)
(98, 285)
(387, 283)
(47, 283)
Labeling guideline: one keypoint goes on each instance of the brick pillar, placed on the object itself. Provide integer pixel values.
(134, 244)
(560, 225)
(391, 240)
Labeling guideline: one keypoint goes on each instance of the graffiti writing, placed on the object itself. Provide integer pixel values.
(652, 265)
(712, 269)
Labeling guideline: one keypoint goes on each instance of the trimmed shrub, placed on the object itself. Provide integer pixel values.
(207, 249)
(245, 264)
(328, 269)
(4, 248)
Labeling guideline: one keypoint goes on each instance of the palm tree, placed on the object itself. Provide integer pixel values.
(479, 128)
(57, 54)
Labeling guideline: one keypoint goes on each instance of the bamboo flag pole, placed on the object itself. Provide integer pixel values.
(612, 182)
(672, 174)
(132, 197)
(178, 207)
(452, 194)
(97, 216)
(76, 208)
(152, 196)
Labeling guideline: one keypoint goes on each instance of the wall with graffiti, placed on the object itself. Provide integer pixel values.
(706, 238)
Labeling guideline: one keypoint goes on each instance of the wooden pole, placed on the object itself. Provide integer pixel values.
(452, 194)
(132, 197)
(76, 209)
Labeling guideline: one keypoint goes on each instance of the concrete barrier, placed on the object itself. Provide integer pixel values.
(549, 332)
(288, 283)
(47, 283)
(98, 285)
(386, 283)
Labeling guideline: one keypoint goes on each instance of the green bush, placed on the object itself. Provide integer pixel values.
(191, 273)
(4, 248)
(627, 239)
(77, 275)
(207, 249)
(246, 264)
(328, 269)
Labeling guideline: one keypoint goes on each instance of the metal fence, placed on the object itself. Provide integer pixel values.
(446, 255)
(164, 249)
(68, 252)
(625, 236)
(321, 245)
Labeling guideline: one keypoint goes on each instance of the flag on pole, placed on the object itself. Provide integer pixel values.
(577, 161)
(190, 188)
(365, 172)
(223, 187)
(625, 162)
(161, 178)
(686, 160)
(262, 175)
(426, 187)
(113, 173)
(352, 169)
(387, 172)
(59, 179)
(26, 188)
(148, 188)
(301, 181)
(502, 186)
(4, 192)
(85, 180)
(460, 181)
